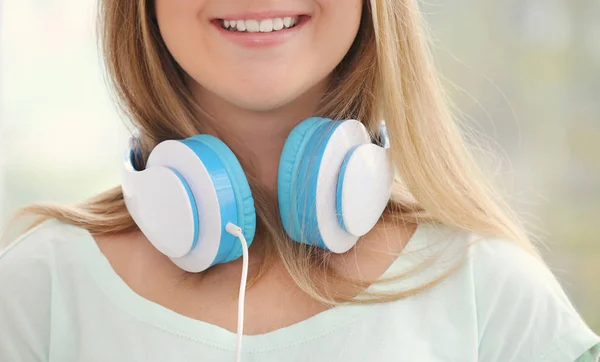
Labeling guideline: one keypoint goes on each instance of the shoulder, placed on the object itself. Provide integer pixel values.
(509, 279)
(33, 258)
(520, 311)
(523, 313)
(501, 265)
(495, 267)
(38, 245)
(29, 269)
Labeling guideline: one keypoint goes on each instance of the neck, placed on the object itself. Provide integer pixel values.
(256, 137)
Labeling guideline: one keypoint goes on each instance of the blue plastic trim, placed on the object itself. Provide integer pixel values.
(193, 204)
(308, 174)
(225, 195)
(290, 160)
(340, 187)
(241, 188)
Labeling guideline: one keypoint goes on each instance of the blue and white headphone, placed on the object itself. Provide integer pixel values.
(333, 186)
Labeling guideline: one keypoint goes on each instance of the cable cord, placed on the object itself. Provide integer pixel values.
(237, 232)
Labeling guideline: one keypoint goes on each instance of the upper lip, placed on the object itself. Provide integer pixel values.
(260, 15)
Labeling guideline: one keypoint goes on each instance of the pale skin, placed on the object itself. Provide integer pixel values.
(257, 94)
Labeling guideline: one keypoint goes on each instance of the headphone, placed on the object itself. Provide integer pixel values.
(333, 185)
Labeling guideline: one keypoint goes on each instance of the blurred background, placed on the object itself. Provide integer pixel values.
(525, 73)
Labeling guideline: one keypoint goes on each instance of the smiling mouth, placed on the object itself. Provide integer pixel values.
(261, 26)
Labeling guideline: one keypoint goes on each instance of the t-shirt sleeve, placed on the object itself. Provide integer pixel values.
(523, 313)
(25, 289)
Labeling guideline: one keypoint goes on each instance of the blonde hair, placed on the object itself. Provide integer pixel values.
(387, 74)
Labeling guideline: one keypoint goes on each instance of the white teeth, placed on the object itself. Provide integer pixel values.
(252, 26)
(266, 26)
(241, 25)
(263, 26)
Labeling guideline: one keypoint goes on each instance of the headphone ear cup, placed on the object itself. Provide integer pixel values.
(207, 176)
(162, 205)
(289, 164)
(313, 160)
(317, 186)
(246, 213)
(364, 188)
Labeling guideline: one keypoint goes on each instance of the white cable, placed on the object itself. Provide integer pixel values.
(237, 231)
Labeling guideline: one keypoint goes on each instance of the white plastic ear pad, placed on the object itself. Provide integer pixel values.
(364, 188)
(181, 158)
(347, 136)
(148, 194)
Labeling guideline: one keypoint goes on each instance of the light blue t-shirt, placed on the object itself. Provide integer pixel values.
(62, 302)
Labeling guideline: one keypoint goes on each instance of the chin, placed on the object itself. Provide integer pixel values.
(261, 101)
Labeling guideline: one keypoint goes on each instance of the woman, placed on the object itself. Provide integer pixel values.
(434, 267)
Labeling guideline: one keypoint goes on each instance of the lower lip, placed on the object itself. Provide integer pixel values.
(259, 39)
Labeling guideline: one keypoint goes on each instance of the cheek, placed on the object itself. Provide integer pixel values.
(180, 28)
(335, 31)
